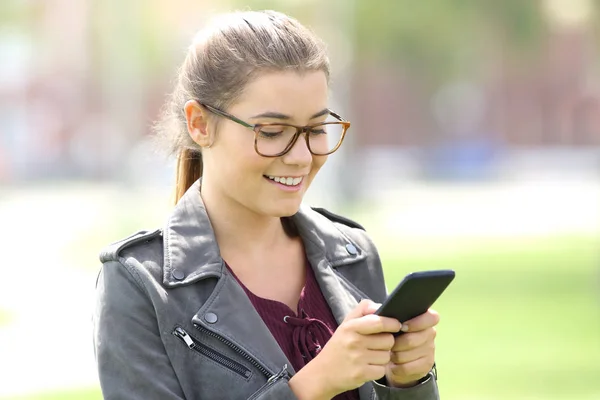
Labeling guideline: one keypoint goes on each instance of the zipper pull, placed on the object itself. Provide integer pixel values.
(279, 375)
(180, 333)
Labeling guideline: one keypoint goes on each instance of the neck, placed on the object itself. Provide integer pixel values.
(240, 230)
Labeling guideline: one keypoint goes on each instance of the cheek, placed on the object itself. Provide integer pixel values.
(238, 156)
(245, 167)
(318, 162)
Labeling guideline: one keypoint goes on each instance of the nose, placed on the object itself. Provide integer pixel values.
(299, 154)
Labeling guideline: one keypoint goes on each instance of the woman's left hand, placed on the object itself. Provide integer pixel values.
(413, 353)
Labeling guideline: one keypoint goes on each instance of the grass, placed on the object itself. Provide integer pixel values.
(521, 320)
(78, 394)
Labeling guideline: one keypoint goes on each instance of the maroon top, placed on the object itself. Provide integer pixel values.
(303, 333)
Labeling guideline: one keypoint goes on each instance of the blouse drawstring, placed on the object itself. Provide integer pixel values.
(309, 335)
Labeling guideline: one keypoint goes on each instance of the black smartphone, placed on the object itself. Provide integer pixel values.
(415, 294)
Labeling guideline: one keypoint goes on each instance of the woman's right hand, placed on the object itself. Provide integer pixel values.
(358, 352)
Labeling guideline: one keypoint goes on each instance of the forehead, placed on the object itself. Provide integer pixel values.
(292, 93)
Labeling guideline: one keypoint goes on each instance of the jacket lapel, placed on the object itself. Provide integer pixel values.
(190, 248)
(229, 313)
(327, 247)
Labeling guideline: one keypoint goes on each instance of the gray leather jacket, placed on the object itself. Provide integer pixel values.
(171, 322)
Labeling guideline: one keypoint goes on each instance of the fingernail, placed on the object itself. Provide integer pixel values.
(404, 328)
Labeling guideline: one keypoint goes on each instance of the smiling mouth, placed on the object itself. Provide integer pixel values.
(286, 180)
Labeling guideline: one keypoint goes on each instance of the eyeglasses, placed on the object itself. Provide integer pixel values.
(276, 139)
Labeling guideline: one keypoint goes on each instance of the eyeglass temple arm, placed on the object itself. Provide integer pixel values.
(226, 115)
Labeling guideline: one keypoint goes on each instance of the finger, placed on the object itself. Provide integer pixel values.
(365, 307)
(412, 340)
(378, 357)
(407, 356)
(372, 324)
(380, 341)
(413, 370)
(426, 320)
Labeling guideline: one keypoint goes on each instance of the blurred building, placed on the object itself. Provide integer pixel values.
(81, 82)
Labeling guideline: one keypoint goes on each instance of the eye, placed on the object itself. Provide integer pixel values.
(319, 130)
(269, 135)
(270, 132)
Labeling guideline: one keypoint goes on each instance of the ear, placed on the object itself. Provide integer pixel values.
(197, 123)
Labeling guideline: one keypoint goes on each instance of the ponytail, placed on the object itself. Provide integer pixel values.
(189, 170)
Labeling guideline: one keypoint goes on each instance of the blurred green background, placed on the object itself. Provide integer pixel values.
(521, 321)
(475, 145)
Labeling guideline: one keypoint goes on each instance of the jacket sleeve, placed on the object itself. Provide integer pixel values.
(426, 390)
(131, 358)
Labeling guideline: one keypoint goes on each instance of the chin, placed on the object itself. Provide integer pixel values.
(285, 210)
(288, 212)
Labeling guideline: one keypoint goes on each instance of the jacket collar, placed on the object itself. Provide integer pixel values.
(191, 251)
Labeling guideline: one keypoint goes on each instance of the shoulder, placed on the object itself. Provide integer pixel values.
(137, 242)
(133, 261)
(349, 227)
(338, 218)
(137, 257)
(366, 275)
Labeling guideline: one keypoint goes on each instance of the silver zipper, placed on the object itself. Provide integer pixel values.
(279, 375)
(270, 382)
(179, 332)
(211, 353)
(237, 349)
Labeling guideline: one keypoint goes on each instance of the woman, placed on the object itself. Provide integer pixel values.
(246, 294)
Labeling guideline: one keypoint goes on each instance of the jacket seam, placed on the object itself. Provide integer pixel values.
(134, 274)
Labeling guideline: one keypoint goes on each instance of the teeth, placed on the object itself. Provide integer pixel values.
(288, 181)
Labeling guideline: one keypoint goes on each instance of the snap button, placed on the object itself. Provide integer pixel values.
(210, 317)
(178, 274)
(351, 249)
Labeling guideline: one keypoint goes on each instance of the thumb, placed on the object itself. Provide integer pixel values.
(365, 307)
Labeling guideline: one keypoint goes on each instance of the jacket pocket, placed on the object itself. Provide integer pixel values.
(212, 354)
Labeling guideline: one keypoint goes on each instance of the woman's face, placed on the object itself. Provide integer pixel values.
(243, 177)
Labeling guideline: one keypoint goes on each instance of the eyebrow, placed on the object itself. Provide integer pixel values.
(276, 115)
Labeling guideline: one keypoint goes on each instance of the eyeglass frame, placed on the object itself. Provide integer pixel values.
(299, 130)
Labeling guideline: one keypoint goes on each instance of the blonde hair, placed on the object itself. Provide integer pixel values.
(223, 58)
